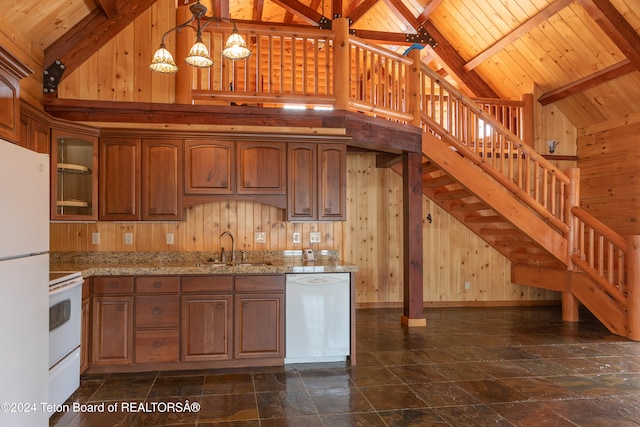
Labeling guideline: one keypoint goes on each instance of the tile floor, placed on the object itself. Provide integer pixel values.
(468, 367)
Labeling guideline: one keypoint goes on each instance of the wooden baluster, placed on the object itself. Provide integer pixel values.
(633, 290)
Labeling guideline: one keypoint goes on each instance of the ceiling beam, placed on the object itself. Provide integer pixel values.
(621, 33)
(450, 57)
(357, 13)
(302, 11)
(258, 9)
(336, 9)
(403, 12)
(587, 82)
(520, 31)
(90, 34)
(111, 8)
(428, 11)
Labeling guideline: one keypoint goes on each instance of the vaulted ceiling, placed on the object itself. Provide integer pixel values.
(582, 55)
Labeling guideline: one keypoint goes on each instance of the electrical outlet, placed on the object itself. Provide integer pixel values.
(128, 238)
(467, 285)
(296, 237)
(95, 238)
(314, 237)
(169, 238)
(260, 237)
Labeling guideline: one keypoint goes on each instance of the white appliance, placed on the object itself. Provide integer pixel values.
(65, 322)
(24, 294)
(318, 313)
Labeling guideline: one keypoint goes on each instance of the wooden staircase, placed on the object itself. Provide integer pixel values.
(517, 202)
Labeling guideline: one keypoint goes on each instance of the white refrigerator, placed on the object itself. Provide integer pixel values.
(24, 286)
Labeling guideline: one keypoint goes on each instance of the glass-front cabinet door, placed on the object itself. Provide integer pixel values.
(74, 179)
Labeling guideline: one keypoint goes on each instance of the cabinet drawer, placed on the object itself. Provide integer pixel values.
(207, 284)
(156, 346)
(157, 311)
(260, 283)
(113, 285)
(158, 284)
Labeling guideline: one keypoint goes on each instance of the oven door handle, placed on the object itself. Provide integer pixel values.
(65, 286)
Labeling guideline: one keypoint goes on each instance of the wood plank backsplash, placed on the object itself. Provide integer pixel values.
(371, 238)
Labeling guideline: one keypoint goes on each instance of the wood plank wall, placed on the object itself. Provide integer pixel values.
(609, 162)
(370, 238)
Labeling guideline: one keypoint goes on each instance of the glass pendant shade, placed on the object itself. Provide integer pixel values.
(199, 55)
(236, 47)
(163, 61)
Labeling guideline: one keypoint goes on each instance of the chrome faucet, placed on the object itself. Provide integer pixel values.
(233, 245)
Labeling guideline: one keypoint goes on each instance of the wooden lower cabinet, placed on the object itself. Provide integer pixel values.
(207, 322)
(177, 322)
(259, 326)
(112, 330)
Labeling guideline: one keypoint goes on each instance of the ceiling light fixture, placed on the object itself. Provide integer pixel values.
(235, 48)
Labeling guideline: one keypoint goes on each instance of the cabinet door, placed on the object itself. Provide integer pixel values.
(206, 327)
(261, 167)
(34, 135)
(332, 182)
(74, 183)
(112, 337)
(209, 167)
(302, 181)
(259, 326)
(162, 179)
(119, 179)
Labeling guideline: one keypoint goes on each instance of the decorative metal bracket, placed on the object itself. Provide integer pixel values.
(421, 37)
(51, 76)
(325, 23)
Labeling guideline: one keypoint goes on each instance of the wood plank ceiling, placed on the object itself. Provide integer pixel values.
(582, 55)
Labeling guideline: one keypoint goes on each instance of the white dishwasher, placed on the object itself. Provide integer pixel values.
(318, 314)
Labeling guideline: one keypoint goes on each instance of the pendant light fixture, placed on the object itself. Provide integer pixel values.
(235, 48)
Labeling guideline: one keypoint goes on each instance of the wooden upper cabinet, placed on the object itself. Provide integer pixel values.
(11, 72)
(316, 181)
(74, 179)
(332, 182)
(119, 193)
(261, 167)
(209, 167)
(35, 135)
(302, 180)
(162, 176)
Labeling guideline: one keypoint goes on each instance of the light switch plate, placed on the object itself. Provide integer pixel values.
(260, 237)
(169, 238)
(95, 238)
(128, 238)
(314, 237)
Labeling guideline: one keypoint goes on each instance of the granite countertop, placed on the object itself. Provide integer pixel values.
(194, 263)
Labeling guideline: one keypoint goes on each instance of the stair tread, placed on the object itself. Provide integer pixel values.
(452, 194)
(484, 219)
(468, 207)
(439, 181)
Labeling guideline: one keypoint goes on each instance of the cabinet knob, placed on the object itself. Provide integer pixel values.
(224, 183)
(157, 285)
(113, 285)
(220, 306)
(157, 344)
(306, 210)
(156, 310)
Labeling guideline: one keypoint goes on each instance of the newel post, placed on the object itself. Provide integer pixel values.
(341, 66)
(413, 87)
(570, 304)
(633, 289)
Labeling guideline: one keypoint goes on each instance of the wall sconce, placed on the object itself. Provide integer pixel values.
(235, 48)
(552, 144)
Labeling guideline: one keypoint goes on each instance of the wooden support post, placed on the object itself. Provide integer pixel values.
(412, 231)
(527, 119)
(633, 289)
(570, 304)
(413, 87)
(341, 65)
(184, 40)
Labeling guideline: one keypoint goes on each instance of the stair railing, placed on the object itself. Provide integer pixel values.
(490, 145)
